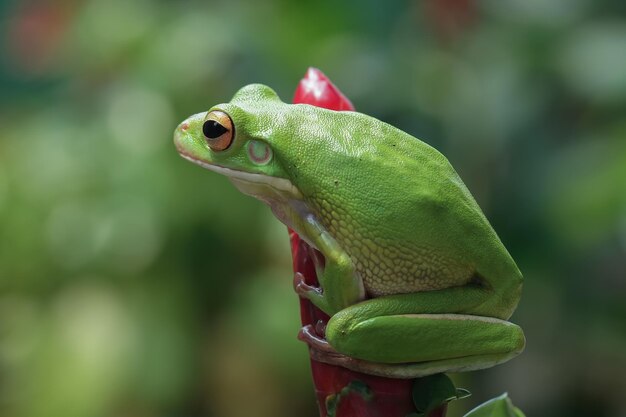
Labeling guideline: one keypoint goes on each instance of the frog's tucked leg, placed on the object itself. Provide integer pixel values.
(409, 335)
(322, 351)
(410, 370)
(340, 285)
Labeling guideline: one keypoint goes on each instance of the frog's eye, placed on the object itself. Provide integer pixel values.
(259, 152)
(218, 130)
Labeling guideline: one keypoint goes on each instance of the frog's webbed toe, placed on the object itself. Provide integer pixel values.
(301, 287)
(322, 351)
(311, 293)
(308, 335)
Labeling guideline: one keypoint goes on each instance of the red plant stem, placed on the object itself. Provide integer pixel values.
(389, 397)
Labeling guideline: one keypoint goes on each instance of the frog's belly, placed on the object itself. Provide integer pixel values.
(395, 270)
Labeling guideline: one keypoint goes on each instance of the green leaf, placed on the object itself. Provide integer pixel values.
(432, 391)
(498, 407)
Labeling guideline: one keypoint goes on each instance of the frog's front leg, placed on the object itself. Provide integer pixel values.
(395, 336)
(340, 286)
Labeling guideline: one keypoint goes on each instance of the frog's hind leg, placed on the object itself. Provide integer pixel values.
(411, 335)
(322, 351)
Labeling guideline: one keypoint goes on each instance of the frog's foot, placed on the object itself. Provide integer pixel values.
(340, 285)
(308, 335)
(309, 292)
(299, 284)
(301, 287)
(322, 351)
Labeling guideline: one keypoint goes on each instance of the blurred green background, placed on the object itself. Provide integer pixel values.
(133, 283)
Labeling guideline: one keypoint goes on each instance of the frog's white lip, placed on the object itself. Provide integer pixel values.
(280, 184)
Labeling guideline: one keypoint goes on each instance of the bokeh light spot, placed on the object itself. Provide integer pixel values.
(72, 234)
(594, 61)
(139, 120)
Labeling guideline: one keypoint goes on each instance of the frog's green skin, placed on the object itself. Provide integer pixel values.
(416, 281)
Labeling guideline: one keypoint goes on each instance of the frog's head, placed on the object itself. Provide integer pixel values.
(239, 140)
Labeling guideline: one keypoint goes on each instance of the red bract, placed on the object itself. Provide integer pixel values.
(316, 89)
(382, 397)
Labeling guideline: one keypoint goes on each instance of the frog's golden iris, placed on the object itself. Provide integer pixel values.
(218, 130)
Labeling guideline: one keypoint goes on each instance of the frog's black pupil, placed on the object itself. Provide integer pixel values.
(213, 129)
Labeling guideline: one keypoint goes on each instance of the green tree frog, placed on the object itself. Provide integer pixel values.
(414, 278)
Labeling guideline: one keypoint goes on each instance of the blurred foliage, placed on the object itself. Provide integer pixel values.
(133, 283)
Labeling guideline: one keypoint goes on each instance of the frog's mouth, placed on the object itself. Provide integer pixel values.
(282, 185)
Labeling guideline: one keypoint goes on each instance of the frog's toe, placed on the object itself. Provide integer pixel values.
(302, 288)
(308, 335)
(313, 294)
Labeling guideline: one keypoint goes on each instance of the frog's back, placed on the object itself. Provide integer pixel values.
(397, 206)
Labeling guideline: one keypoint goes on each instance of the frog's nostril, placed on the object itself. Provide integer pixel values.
(184, 126)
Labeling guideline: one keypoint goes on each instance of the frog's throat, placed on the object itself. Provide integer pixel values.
(284, 199)
(282, 185)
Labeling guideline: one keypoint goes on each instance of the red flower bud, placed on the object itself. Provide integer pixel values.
(316, 89)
